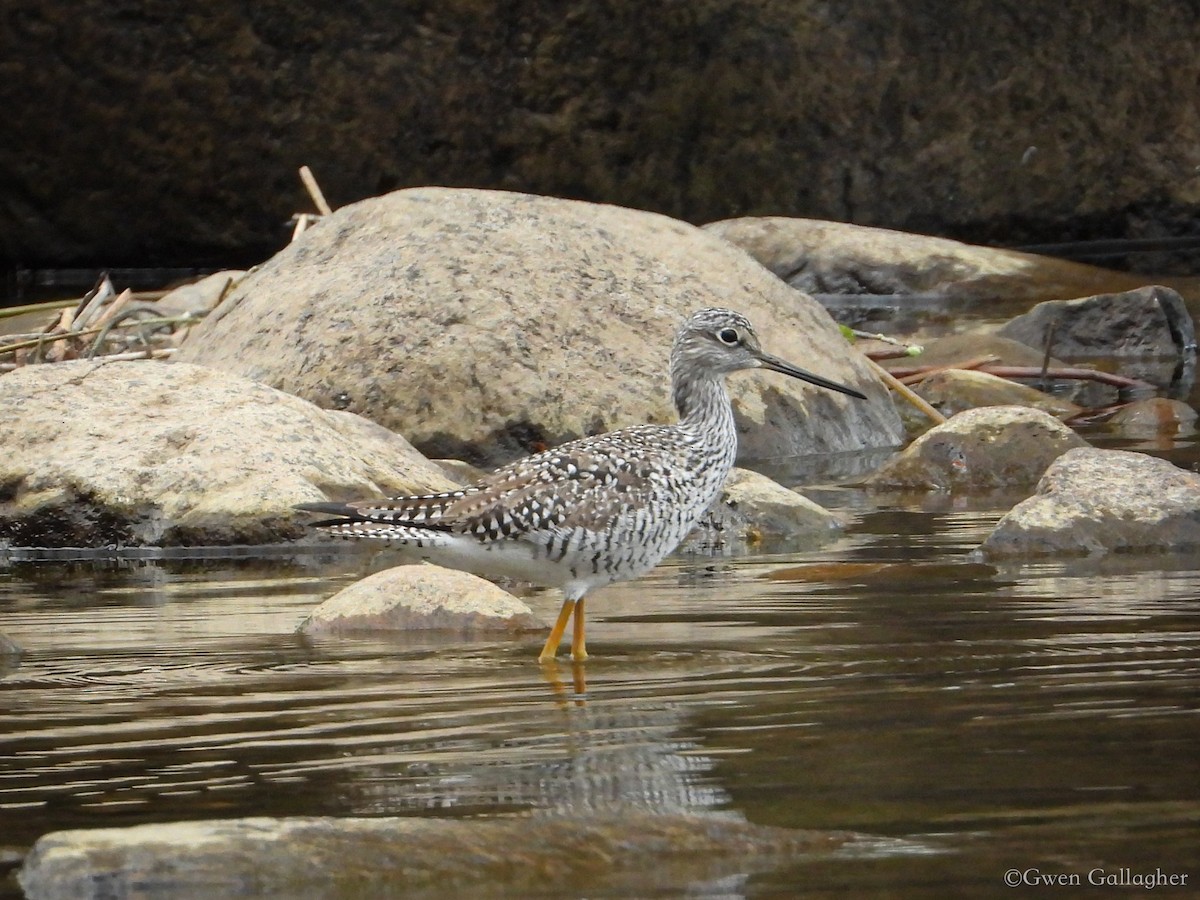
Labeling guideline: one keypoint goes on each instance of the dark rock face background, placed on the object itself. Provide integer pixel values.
(150, 133)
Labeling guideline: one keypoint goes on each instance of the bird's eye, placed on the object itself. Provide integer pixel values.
(728, 336)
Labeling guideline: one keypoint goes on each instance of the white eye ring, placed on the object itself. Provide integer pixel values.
(728, 336)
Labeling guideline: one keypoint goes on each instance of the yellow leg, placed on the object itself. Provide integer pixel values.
(556, 632)
(578, 649)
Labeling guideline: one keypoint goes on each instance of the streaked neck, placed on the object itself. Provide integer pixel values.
(703, 404)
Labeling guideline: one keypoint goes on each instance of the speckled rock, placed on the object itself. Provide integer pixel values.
(1102, 501)
(97, 453)
(992, 448)
(320, 857)
(485, 325)
(421, 598)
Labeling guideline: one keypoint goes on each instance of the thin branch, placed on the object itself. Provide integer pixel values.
(48, 306)
(1064, 374)
(976, 363)
(907, 393)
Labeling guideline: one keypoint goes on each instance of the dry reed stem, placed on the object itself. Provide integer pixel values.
(314, 191)
(907, 393)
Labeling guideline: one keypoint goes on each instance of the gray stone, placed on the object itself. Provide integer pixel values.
(407, 856)
(1150, 321)
(97, 453)
(421, 598)
(991, 448)
(484, 325)
(1102, 501)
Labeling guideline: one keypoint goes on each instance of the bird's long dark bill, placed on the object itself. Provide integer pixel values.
(775, 364)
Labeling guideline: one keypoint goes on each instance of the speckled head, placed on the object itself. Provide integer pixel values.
(715, 342)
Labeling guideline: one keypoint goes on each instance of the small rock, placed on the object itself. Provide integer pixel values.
(1100, 501)
(461, 473)
(199, 297)
(992, 448)
(421, 598)
(758, 508)
(9, 647)
(954, 390)
(1150, 321)
(1156, 415)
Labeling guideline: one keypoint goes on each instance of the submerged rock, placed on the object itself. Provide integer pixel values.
(954, 349)
(992, 448)
(421, 598)
(969, 346)
(1150, 321)
(386, 857)
(97, 453)
(484, 325)
(1154, 416)
(1101, 501)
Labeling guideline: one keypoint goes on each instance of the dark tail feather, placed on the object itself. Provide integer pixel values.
(333, 509)
(347, 513)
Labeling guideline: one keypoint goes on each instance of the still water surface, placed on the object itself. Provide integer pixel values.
(1040, 717)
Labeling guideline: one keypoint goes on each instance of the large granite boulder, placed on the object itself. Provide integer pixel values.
(1102, 501)
(96, 453)
(484, 325)
(177, 137)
